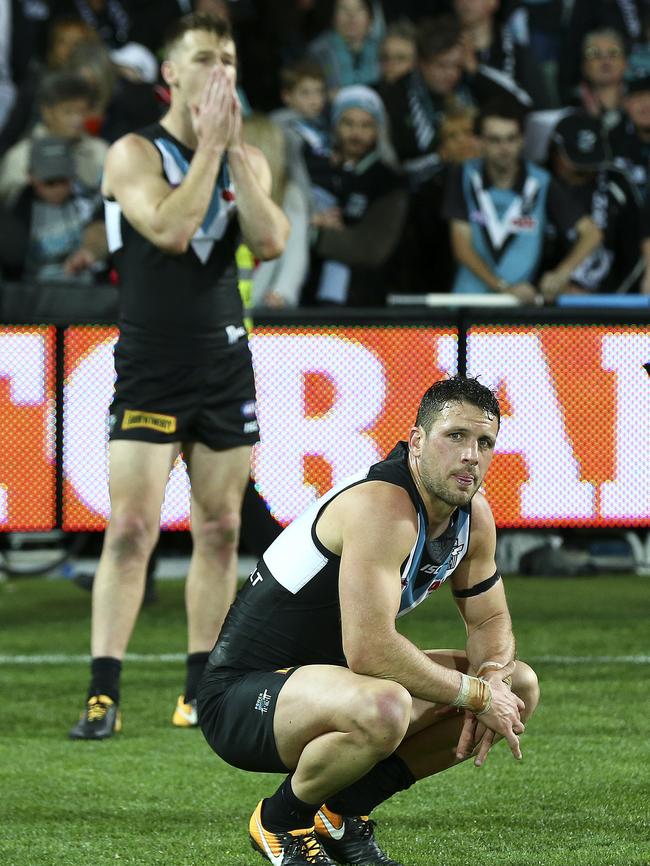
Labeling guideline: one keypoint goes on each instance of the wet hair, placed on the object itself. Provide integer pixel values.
(291, 76)
(436, 36)
(57, 87)
(456, 389)
(195, 21)
(503, 108)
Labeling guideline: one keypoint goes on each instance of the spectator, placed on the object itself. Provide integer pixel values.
(397, 52)
(629, 140)
(303, 119)
(458, 139)
(578, 160)
(349, 52)
(361, 205)
(544, 22)
(417, 102)
(63, 35)
(278, 282)
(500, 206)
(123, 80)
(427, 232)
(602, 88)
(627, 17)
(503, 48)
(65, 100)
(66, 238)
(638, 61)
(109, 18)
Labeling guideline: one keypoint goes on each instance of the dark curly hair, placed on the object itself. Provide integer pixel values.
(456, 389)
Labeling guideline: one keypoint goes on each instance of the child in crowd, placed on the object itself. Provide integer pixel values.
(66, 238)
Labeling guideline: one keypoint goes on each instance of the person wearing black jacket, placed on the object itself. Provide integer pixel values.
(360, 201)
(579, 162)
(416, 103)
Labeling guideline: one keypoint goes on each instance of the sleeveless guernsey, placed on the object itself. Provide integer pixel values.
(288, 611)
(180, 307)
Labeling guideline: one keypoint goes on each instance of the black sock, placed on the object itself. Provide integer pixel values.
(105, 677)
(361, 797)
(195, 664)
(284, 811)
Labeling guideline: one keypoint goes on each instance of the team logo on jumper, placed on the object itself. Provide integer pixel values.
(151, 420)
(263, 702)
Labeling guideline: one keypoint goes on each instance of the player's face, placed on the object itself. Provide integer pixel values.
(191, 61)
(456, 453)
(502, 143)
(442, 72)
(357, 133)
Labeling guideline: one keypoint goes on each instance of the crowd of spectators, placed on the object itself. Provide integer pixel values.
(417, 146)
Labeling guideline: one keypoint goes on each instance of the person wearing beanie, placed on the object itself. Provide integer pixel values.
(359, 203)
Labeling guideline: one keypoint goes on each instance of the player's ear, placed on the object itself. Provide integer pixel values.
(416, 441)
(168, 72)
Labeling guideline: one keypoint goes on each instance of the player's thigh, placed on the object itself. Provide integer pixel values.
(320, 699)
(138, 474)
(218, 480)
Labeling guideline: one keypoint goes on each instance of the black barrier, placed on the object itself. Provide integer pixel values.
(335, 390)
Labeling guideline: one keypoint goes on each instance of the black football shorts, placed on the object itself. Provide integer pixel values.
(236, 716)
(160, 401)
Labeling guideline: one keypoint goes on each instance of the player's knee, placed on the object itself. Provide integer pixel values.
(217, 536)
(526, 685)
(131, 537)
(382, 716)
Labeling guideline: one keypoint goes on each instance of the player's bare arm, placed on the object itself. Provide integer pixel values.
(167, 216)
(490, 642)
(264, 226)
(374, 527)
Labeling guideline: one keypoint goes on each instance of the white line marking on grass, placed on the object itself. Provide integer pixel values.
(165, 658)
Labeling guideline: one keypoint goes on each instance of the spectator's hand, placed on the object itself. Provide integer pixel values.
(274, 299)
(78, 261)
(213, 117)
(553, 283)
(526, 293)
(330, 218)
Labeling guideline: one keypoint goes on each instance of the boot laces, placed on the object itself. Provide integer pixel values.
(308, 847)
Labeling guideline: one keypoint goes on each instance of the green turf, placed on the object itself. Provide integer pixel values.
(157, 795)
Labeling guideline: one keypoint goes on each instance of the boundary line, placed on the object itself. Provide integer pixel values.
(169, 658)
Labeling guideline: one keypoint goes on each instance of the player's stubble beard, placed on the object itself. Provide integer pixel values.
(438, 489)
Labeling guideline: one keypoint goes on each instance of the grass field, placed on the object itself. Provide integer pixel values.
(156, 795)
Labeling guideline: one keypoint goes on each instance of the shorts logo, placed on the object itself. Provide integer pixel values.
(112, 421)
(162, 423)
(248, 409)
(251, 427)
(263, 702)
